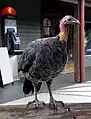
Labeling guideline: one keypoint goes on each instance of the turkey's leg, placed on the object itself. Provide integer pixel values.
(52, 101)
(36, 101)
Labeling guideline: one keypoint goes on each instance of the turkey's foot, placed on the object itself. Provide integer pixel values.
(36, 103)
(54, 103)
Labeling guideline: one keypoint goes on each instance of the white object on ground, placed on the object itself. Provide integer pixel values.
(5, 66)
(14, 66)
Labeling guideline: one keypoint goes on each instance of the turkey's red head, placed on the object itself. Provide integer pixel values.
(69, 20)
(64, 26)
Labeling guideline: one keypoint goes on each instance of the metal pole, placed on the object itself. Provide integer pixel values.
(82, 68)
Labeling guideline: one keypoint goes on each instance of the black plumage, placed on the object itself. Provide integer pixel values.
(44, 59)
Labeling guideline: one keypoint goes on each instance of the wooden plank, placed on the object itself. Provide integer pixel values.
(77, 111)
(87, 3)
(70, 1)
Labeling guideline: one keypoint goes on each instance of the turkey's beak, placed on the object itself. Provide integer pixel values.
(78, 22)
(75, 21)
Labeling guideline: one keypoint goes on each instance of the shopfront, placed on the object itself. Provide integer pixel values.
(40, 18)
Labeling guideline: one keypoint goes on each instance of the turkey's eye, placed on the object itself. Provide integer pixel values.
(69, 19)
(65, 20)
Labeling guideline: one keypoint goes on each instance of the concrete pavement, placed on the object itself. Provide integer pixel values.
(63, 88)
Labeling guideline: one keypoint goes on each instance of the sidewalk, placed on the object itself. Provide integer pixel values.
(78, 93)
(63, 88)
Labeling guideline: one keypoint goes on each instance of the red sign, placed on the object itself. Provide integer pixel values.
(9, 11)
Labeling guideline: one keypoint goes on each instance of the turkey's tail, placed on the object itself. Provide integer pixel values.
(28, 86)
(19, 70)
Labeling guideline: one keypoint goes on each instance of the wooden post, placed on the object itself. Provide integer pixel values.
(76, 46)
(82, 68)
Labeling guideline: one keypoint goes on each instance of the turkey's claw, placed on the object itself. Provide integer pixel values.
(54, 103)
(36, 102)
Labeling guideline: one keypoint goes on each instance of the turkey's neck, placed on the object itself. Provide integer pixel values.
(63, 32)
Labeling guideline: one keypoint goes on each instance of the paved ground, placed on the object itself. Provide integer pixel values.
(63, 88)
(10, 93)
